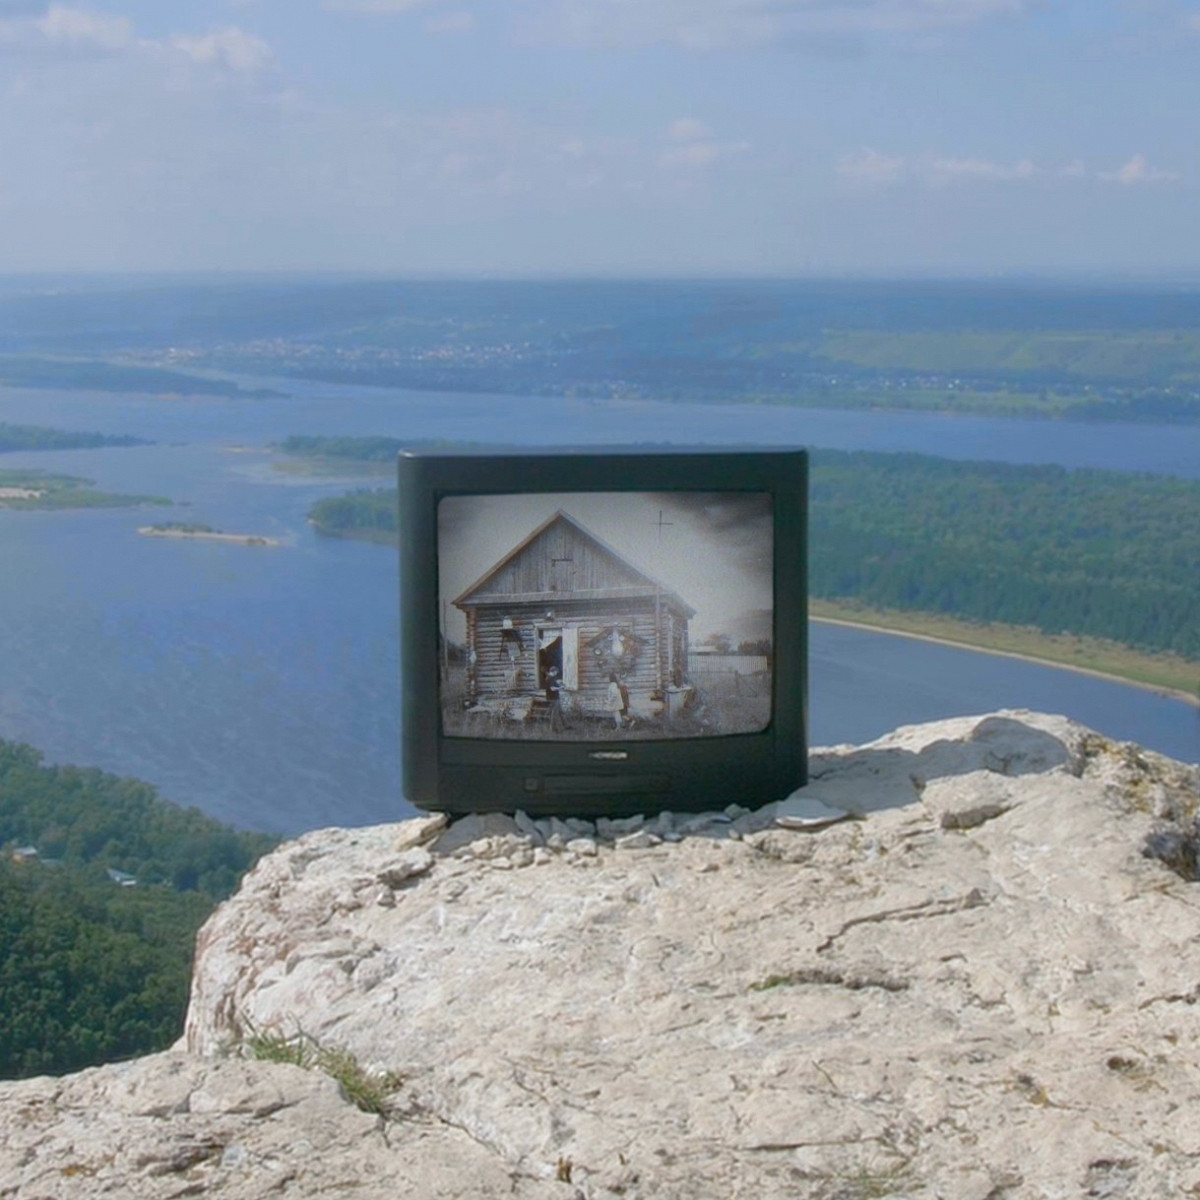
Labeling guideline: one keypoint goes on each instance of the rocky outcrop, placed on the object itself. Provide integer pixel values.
(984, 985)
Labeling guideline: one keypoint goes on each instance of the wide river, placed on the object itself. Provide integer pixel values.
(261, 685)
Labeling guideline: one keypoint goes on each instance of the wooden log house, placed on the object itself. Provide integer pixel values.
(563, 599)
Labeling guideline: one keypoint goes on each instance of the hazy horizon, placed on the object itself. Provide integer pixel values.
(1188, 277)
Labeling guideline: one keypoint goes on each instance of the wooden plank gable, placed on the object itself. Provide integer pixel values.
(561, 558)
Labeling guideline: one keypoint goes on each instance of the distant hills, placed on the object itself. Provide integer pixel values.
(1005, 348)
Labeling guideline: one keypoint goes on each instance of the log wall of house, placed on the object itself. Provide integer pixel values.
(494, 670)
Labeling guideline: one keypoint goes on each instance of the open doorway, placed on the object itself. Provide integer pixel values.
(549, 658)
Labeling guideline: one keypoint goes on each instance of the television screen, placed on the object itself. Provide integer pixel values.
(608, 615)
(602, 631)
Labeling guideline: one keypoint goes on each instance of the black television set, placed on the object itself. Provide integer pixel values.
(602, 631)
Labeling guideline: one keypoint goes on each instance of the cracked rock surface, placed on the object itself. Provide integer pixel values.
(173, 1125)
(985, 987)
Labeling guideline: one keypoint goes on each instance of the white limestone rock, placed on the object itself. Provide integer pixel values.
(530, 828)
(420, 830)
(173, 1125)
(475, 827)
(405, 866)
(982, 989)
(639, 839)
(804, 811)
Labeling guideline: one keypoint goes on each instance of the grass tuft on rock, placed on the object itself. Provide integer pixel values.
(368, 1090)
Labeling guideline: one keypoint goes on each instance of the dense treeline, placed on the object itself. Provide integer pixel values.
(100, 376)
(39, 437)
(81, 815)
(369, 514)
(93, 967)
(1095, 553)
(363, 449)
(90, 971)
(1134, 356)
(360, 449)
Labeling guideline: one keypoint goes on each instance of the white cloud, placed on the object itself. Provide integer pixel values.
(231, 49)
(80, 27)
(1137, 171)
(1193, 22)
(871, 168)
(905, 15)
(701, 24)
(692, 146)
(725, 24)
(114, 143)
(64, 30)
(375, 6)
(938, 170)
(687, 129)
(698, 154)
(440, 24)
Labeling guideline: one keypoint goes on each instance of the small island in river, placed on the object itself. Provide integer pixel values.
(206, 533)
(26, 489)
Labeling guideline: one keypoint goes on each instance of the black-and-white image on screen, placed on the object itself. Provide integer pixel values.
(605, 615)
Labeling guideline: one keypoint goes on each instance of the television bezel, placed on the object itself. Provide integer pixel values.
(616, 777)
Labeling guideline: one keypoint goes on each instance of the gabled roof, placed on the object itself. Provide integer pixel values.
(634, 581)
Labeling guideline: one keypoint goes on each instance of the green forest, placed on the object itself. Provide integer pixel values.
(103, 886)
(1011, 350)
(1093, 553)
(378, 450)
(1064, 351)
(368, 514)
(97, 375)
(39, 437)
(1132, 356)
(356, 449)
(64, 491)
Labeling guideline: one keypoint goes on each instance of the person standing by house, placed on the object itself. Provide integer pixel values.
(554, 697)
(615, 701)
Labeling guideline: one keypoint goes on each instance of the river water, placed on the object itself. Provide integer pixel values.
(261, 685)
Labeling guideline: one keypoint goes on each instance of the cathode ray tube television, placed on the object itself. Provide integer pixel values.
(602, 631)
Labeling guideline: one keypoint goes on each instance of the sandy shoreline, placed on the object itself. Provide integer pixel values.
(199, 535)
(1158, 689)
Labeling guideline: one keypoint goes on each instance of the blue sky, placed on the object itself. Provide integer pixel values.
(612, 137)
